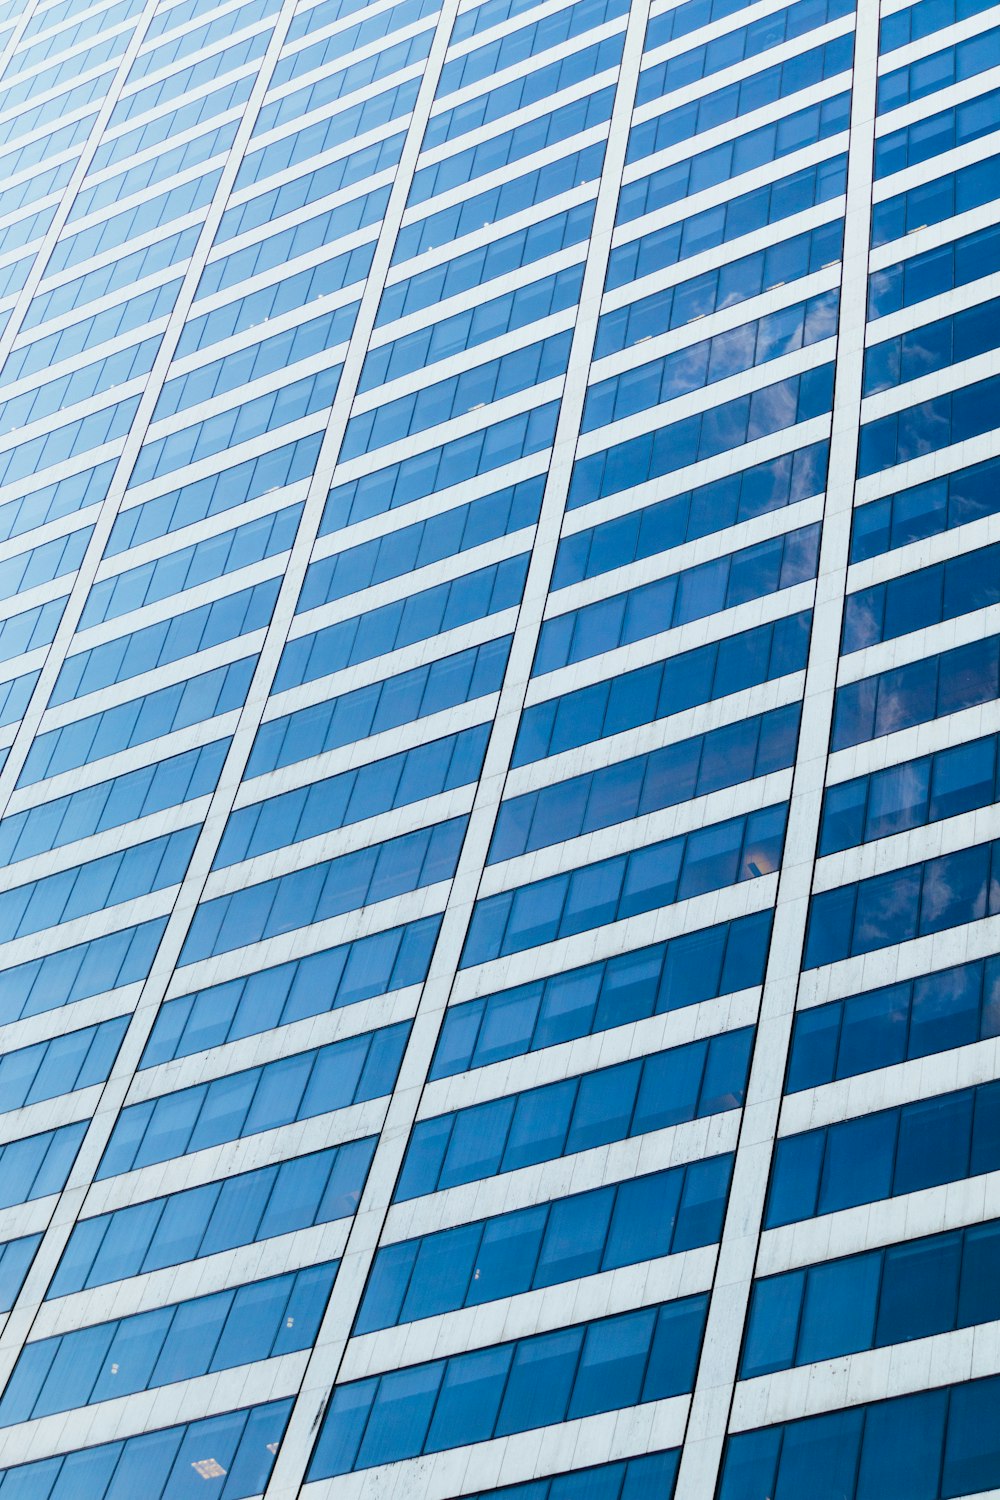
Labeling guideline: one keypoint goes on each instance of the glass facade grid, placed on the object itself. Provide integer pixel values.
(499, 655)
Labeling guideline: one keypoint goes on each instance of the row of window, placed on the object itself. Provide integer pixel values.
(225, 60)
(576, 1114)
(80, 385)
(878, 1028)
(413, 547)
(725, 354)
(930, 1446)
(495, 446)
(939, 70)
(362, 877)
(304, 341)
(193, 38)
(169, 126)
(936, 134)
(166, 1464)
(258, 1321)
(403, 622)
(527, 41)
(475, 268)
(935, 201)
(444, 683)
(618, 1225)
(697, 232)
(310, 986)
(119, 275)
(471, 327)
(456, 395)
(729, 756)
(215, 557)
(70, 974)
(110, 804)
(273, 251)
(924, 18)
(72, 1061)
(346, 39)
(239, 1210)
(138, 721)
(255, 1099)
(337, 801)
(169, 162)
(907, 795)
(668, 603)
(15, 696)
(99, 328)
(729, 48)
(83, 889)
(955, 417)
(327, 134)
(611, 890)
(346, 125)
(43, 564)
(38, 1165)
(538, 1381)
(30, 629)
(902, 1150)
(904, 904)
(934, 346)
(921, 599)
(686, 970)
(914, 694)
(663, 689)
(926, 510)
(320, 182)
(722, 163)
(746, 276)
(16, 1257)
(909, 1291)
(726, 425)
(542, 84)
(167, 641)
(562, 124)
(628, 1479)
(759, 90)
(284, 296)
(957, 263)
(273, 470)
(698, 512)
(237, 425)
(118, 229)
(500, 202)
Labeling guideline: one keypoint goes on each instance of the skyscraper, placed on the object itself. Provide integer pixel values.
(500, 905)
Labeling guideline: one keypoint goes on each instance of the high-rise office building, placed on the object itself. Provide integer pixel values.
(499, 725)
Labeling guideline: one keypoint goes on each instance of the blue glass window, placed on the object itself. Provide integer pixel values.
(902, 1150)
(610, 1104)
(610, 890)
(236, 1327)
(240, 1210)
(878, 1028)
(532, 1382)
(916, 693)
(320, 982)
(908, 1291)
(160, 1464)
(618, 1225)
(688, 969)
(902, 904)
(240, 1104)
(927, 1446)
(926, 510)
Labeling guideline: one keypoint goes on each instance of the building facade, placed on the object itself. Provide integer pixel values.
(499, 724)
